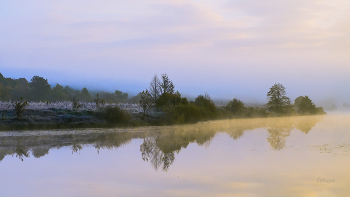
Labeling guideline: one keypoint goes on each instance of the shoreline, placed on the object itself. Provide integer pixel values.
(57, 119)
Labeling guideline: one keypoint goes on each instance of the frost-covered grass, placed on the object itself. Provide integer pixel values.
(132, 108)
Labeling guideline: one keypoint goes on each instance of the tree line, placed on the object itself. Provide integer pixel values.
(160, 98)
(175, 109)
(38, 89)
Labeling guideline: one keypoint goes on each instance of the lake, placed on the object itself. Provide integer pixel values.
(292, 156)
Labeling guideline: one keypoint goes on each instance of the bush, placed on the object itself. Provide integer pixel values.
(253, 112)
(206, 105)
(115, 115)
(236, 107)
(19, 107)
(305, 106)
(186, 114)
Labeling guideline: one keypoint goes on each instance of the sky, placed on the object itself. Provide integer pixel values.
(229, 49)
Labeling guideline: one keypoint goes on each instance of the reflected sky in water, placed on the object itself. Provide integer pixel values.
(248, 157)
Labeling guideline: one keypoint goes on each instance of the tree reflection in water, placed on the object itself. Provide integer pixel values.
(160, 144)
(160, 149)
(280, 130)
(277, 137)
(21, 151)
(151, 152)
(76, 148)
(305, 125)
(40, 151)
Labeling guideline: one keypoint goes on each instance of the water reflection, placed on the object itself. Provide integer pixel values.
(160, 144)
(160, 149)
(305, 125)
(21, 151)
(40, 151)
(152, 153)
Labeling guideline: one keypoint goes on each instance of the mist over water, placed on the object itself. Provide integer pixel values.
(217, 158)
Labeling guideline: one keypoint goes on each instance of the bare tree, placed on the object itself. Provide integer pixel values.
(155, 89)
(145, 101)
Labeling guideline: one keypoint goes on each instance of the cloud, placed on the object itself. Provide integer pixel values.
(225, 41)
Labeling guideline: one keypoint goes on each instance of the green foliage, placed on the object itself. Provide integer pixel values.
(298, 100)
(40, 88)
(58, 93)
(207, 105)
(19, 107)
(145, 101)
(254, 112)
(85, 95)
(305, 106)
(182, 114)
(20, 89)
(236, 107)
(170, 100)
(166, 85)
(76, 104)
(115, 115)
(109, 97)
(179, 111)
(136, 99)
(99, 101)
(71, 92)
(278, 102)
(120, 95)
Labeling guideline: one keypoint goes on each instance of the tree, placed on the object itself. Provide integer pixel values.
(58, 94)
(39, 88)
(145, 101)
(21, 89)
(121, 95)
(1, 89)
(118, 94)
(208, 106)
(20, 107)
(235, 106)
(85, 95)
(169, 99)
(70, 92)
(155, 89)
(136, 99)
(297, 101)
(166, 85)
(99, 101)
(125, 96)
(75, 103)
(305, 105)
(277, 100)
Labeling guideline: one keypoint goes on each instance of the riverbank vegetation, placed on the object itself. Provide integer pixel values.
(160, 103)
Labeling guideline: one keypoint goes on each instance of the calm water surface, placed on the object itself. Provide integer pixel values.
(298, 156)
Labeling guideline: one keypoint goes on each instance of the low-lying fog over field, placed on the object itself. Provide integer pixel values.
(292, 156)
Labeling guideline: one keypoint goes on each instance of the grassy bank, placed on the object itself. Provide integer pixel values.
(109, 117)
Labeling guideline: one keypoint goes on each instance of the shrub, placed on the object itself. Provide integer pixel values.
(185, 114)
(236, 107)
(115, 115)
(206, 105)
(20, 107)
(75, 103)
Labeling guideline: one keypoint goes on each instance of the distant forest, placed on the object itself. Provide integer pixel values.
(160, 102)
(160, 95)
(38, 89)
